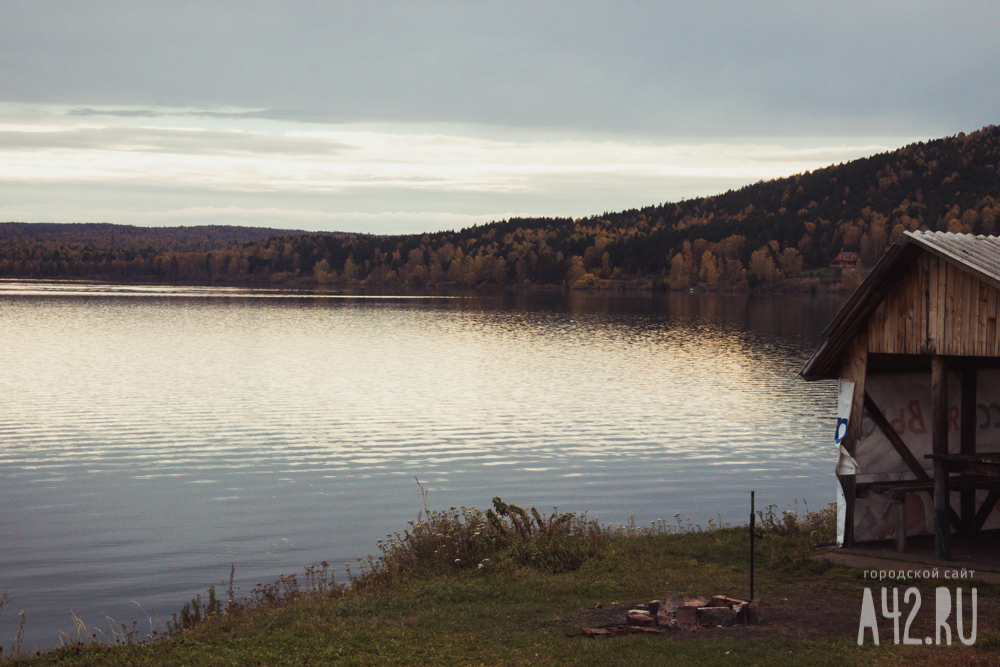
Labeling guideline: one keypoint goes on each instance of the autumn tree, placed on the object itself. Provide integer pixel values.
(873, 244)
(322, 273)
(762, 266)
(709, 273)
(679, 278)
(791, 262)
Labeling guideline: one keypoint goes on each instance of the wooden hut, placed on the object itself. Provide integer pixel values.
(846, 260)
(917, 355)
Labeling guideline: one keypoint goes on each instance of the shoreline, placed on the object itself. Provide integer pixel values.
(411, 607)
(609, 287)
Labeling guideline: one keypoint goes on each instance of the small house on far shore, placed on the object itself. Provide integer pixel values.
(846, 260)
(917, 356)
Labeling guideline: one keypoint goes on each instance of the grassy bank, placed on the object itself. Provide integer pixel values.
(513, 587)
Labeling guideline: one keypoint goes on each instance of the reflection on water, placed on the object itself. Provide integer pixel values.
(151, 436)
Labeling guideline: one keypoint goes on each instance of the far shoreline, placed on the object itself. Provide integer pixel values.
(810, 285)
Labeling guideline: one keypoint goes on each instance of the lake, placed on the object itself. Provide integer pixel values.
(151, 437)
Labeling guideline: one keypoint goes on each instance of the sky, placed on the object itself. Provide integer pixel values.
(408, 117)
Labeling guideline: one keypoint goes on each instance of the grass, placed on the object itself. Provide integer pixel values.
(508, 586)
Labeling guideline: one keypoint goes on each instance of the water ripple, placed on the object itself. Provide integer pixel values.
(151, 436)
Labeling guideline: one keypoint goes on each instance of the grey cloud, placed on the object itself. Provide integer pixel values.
(668, 68)
(122, 113)
(262, 114)
(158, 140)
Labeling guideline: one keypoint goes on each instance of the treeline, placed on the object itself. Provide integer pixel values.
(201, 238)
(755, 237)
(123, 252)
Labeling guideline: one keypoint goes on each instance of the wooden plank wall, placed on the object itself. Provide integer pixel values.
(937, 308)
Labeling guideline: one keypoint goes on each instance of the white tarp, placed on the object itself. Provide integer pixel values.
(846, 465)
(905, 399)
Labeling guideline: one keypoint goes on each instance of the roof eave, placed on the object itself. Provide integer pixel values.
(822, 365)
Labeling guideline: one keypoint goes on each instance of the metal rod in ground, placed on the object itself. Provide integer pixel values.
(753, 531)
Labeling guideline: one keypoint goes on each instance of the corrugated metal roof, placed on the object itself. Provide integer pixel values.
(979, 255)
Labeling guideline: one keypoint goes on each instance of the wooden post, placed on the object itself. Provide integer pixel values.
(753, 533)
(968, 416)
(849, 485)
(939, 434)
(901, 526)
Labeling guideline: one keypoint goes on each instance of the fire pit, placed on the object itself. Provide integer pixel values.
(677, 612)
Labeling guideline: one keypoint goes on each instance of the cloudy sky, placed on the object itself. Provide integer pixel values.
(408, 117)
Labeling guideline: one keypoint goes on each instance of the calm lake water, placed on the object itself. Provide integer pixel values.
(152, 436)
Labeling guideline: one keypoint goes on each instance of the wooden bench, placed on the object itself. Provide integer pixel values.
(894, 492)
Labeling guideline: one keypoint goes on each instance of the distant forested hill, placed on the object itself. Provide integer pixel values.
(204, 238)
(123, 252)
(754, 237)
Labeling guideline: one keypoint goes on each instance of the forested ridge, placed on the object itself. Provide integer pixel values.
(201, 238)
(756, 237)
